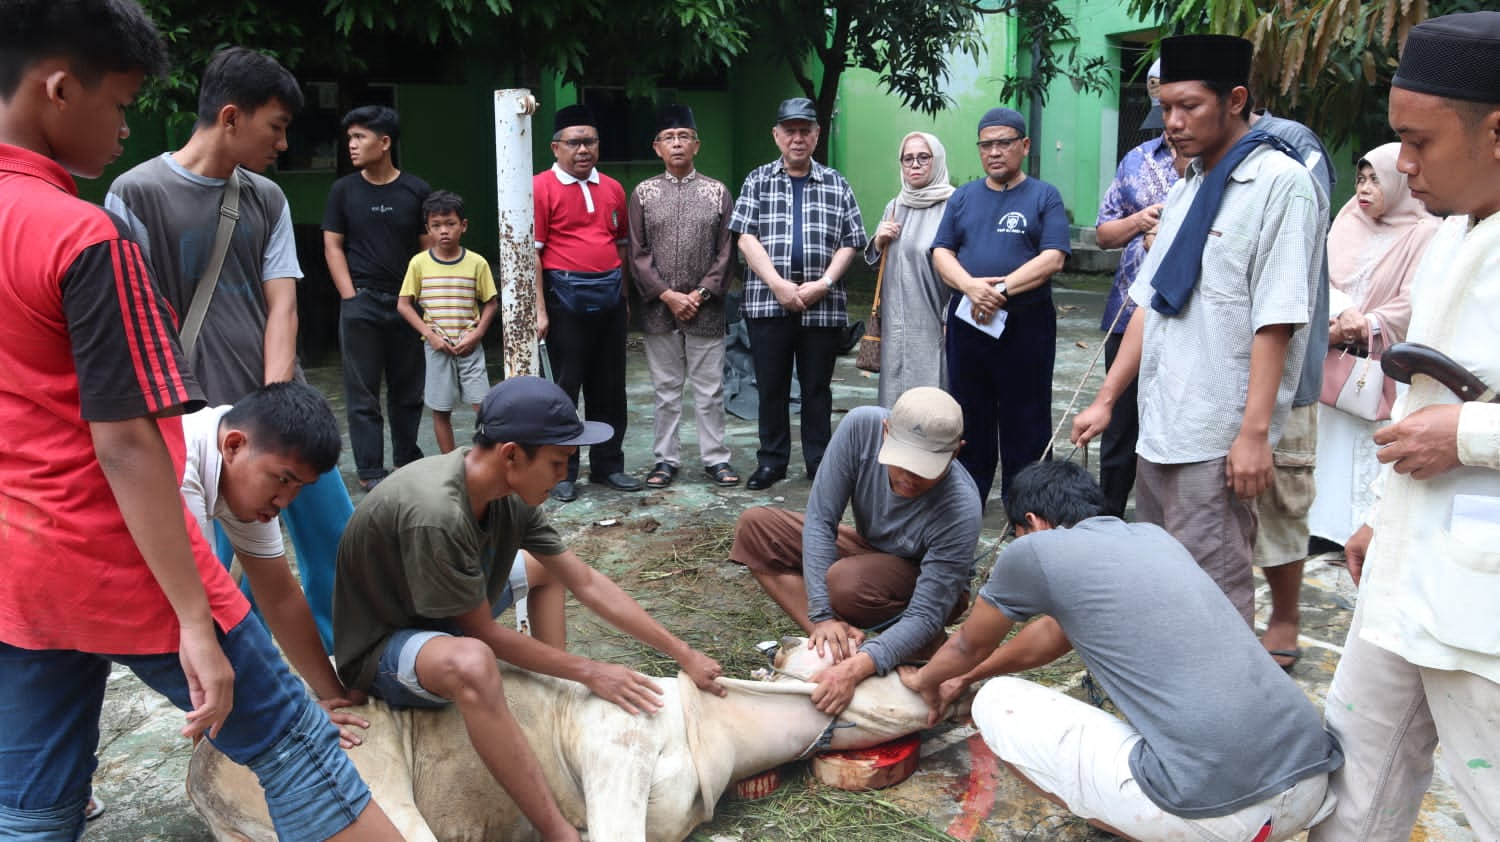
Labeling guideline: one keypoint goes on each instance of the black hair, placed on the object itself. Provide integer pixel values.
(1473, 113)
(245, 78)
(1222, 90)
(95, 36)
(291, 419)
(439, 202)
(1059, 492)
(380, 119)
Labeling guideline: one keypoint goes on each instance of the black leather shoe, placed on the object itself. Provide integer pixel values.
(565, 492)
(621, 481)
(764, 478)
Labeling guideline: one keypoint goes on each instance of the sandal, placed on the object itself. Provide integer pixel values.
(94, 809)
(662, 475)
(722, 474)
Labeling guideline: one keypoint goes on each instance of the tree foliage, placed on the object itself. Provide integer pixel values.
(1327, 63)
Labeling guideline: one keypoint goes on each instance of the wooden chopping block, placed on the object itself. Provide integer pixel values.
(759, 786)
(876, 767)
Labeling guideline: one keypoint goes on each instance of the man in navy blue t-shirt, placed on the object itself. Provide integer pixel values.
(999, 244)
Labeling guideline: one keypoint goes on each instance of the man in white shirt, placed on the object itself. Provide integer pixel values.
(1421, 665)
(245, 463)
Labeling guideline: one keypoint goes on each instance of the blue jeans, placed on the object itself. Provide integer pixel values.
(50, 702)
(316, 521)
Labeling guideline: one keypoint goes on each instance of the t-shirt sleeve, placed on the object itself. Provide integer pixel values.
(1016, 586)
(335, 216)
(949, 236)
(124, 337)
(1055, 222)
(541, 198)
(854, 222)
(745, 219)
(1113, 205)
(1282, 264)
(280, 260)
(444, 576)
(541, 537)
(411, 285)
(484, 280)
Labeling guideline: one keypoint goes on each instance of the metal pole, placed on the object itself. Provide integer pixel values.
(517, 257)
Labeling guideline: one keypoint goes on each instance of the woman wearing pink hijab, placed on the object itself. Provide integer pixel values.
(1374, 246)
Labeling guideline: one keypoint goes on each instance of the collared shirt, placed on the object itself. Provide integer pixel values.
(679, 240)
(1261, 266)
(578, 228)
(830, 221)
(583, 183)
(1143, 179)
(1432, 575)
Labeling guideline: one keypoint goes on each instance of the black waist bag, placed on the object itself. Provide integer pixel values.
(584, 292)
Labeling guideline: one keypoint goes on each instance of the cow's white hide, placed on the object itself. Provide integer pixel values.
(624, 777)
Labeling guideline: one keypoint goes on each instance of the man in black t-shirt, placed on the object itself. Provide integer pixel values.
(372, 225)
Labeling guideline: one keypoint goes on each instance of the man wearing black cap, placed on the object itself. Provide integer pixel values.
(1421, 666)
(372, 225)
(798, 227)
(999, 244)
(447, 543)
(581, 298)
(680, 250)
(1225, 288)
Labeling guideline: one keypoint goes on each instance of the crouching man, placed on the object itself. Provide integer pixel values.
(434, 554)
(904, 567)
(1218, 742)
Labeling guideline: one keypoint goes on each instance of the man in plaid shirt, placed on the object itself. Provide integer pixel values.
(798, 228)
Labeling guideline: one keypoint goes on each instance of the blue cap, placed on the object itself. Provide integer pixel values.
(1008, 117)
(533, 411)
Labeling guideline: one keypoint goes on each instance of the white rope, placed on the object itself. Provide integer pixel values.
(1068, 413)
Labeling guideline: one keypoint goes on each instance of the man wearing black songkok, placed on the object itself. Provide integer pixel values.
(1421, 665)
(1224, 294)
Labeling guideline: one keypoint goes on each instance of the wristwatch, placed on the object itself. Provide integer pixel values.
(704, 294)
(1002, 289)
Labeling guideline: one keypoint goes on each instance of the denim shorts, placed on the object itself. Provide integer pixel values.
(49, 731)
(396, 673)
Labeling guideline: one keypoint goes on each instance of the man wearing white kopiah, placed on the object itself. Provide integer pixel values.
(903, 569)
(1422, 662)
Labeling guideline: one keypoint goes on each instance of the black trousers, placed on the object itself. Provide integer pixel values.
(775, 344)
(1117, 445)
(375, 341)
(587, 352)
(1004, 387)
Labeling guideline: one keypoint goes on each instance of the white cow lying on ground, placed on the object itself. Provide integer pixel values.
(623, 777)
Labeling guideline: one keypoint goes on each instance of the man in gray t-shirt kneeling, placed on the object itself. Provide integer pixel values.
(903, 569)
(1217, 741)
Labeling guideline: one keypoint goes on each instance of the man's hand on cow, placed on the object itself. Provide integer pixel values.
(840, 639)
(703, 670)
(836, 684)
(347, 739)
(1423, 444)
(633, 692)
(1249, 469)
(210, 679)
(1355, 549)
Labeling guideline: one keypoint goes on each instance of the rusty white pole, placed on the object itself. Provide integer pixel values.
(517, 257)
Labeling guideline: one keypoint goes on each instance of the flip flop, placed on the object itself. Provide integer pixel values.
(95, 808)
(1294, 654)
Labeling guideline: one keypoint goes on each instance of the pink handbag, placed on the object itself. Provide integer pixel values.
(1357, 386)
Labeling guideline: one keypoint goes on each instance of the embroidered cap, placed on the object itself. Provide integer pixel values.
(1453, 57)
(533, 411)
(924, 430)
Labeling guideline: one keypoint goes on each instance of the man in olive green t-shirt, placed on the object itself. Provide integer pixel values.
(442, 546)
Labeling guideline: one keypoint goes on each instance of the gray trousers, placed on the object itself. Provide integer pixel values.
(677, 359)
(1195, 505)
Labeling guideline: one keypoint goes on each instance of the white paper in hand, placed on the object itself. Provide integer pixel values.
(994, 325)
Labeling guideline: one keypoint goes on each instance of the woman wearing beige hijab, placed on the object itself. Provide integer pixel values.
(913, 300)
(1374, 246)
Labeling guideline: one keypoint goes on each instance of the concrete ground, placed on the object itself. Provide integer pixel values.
(640, 540)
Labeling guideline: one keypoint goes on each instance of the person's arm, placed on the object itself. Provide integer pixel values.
(135, 461)
(975, 640)
(281, 329)
(683, 305)
(1035, 272)
(1037, 644)
(290, 621)
(338, 264)
(1092, 421)
(980, 291)
(429, 332)
(1117, 232)
(831, 493)
(716, 279)
(605, 598)
(475, 335)
(760, 263)
(1248, 469)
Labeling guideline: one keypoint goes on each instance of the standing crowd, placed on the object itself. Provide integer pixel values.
(157, 410)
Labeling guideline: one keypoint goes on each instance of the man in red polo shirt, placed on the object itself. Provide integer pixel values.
(581, 231)
(96, 560)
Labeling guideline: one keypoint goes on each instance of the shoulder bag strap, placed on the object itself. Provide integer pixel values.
(229, 213)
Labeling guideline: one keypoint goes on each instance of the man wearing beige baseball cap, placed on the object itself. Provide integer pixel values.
(902, 570)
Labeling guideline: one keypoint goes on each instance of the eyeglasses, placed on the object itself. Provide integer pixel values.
(580, 142)
(1003, 144)
(677, 137)
(921, 159)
